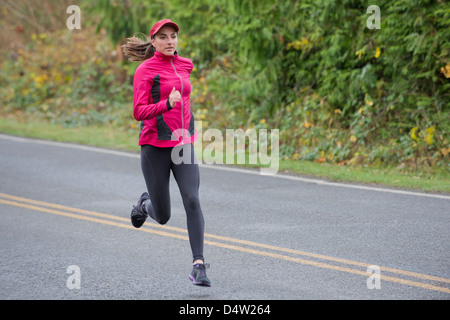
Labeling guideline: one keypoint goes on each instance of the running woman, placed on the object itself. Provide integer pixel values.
(161, 101)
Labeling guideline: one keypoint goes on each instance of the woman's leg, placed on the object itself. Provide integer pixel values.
(155, 165)
(188, 180)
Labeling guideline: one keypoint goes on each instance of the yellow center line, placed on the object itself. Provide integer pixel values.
(95, 217)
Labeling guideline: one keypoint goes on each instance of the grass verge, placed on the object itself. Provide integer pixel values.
(113, 138)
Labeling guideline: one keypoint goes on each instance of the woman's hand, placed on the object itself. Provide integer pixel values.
(174, 97)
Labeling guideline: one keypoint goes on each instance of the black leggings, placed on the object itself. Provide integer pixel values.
(156, 164)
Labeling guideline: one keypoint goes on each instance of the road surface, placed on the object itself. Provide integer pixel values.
(65, 233)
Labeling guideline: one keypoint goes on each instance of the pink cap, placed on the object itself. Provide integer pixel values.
(158, 25)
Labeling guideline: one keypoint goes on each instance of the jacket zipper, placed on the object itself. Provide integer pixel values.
(182, 104)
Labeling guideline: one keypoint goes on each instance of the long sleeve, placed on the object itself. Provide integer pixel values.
(143, 106)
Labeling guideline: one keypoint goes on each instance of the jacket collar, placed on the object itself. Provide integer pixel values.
(160, 56)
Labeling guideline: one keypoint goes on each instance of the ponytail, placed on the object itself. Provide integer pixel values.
(138, 50)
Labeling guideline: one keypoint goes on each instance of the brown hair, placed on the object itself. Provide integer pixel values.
(137, 49)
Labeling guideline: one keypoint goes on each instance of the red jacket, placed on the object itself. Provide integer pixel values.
(161, 125)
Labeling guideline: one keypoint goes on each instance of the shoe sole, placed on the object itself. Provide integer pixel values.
(137, 224)
(137, 219)
(199, 283)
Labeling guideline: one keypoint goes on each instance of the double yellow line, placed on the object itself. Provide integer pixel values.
(354, 267)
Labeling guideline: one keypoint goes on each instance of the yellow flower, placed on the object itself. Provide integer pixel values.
(306, 124)
(38, 81)
(429, 135)
(446, 71)
(377, 52)
(445, 151)
(431, 129)
(298, 44)
(295, 44)
(413, 133)
(353, 139)
(262, 121)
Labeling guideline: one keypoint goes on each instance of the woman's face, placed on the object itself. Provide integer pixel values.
(166, 40)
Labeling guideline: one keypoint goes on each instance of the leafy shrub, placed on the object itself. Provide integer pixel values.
(338, 91)
(67, 78)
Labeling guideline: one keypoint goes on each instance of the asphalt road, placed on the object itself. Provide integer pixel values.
(65, 234)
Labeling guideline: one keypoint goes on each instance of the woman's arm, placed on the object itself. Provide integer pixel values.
(142, 109)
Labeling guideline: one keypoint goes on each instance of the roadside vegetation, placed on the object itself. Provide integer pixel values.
(350, 103)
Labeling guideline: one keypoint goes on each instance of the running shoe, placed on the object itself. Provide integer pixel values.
(138, 213)
(198, 275)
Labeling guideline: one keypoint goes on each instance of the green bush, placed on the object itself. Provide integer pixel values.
(338, 91)
(66, 78)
